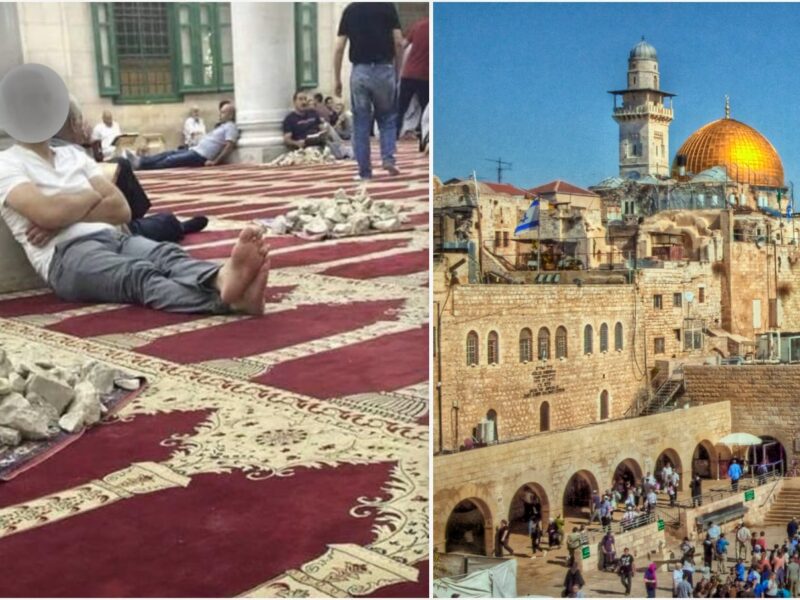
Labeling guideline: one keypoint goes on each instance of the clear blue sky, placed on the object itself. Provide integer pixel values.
(528, 82)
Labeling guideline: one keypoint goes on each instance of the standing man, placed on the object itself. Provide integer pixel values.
(501, 539)
(573, 544)
(742, 540)
(414, 81)
(697, 491)
(735, 473)
(595, 512)
(722, 553)
(626, 570)
(376, 41)
(105, 132)
(791, 527)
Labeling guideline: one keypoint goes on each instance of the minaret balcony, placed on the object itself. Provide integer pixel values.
(656, 110)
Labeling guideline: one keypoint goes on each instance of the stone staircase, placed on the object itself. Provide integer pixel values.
(664, 398)
(787, 504)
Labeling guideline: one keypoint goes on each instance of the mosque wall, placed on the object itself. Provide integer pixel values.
(492, 476)
(763, 398)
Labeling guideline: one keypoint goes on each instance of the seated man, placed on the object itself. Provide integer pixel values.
(105, 132)
(194, 128)
(64, 213)
(162, 227)
(303, 128)
(212, 149)
(344, 121)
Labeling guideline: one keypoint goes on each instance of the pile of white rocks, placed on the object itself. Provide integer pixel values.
(39, 399)
(304, 156)
(344, 216)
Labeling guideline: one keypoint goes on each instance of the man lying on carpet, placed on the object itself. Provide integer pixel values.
(64, 213)
(210, 151)
(303, 128)
(161, 227)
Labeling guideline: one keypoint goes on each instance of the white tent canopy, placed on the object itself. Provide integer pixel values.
(741, 439)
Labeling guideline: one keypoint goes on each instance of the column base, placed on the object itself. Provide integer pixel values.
(258, 151)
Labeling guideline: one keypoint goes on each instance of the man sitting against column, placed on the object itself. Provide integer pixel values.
(161, 227)
(65, 214)
(106, 132)
(303, 128)
(376, 50)
(211, 151)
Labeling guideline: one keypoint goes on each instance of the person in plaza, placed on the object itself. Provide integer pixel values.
(573, 545)
(322, 109)
(606, 511)
(721, 548)
(666, 474)
(793, 576)
(708, 551)
(696, 488)
(740, 569)
(415, 77)
(344, 121)
(161, 227)
(762, 541)
(304, 128)
(791, 527)
(194, 128)
(106, 132)
(651, 501)
(572, 579)
(650, 580)
(714, 531)
(742, 540)
(501, 539)
(535, 533)
(527, 503)
(672, 493)
(778, 564)
(625, 568)
(375, 37)
(688, 570)
(687, 549)
(735, 474)
(628, 518)
(683, 589)
(553, 538)
(65, 214)
(212, 150)
(677, 577)
(595, 507)
(609, 548)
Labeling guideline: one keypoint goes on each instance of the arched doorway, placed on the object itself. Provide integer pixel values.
(670, 457)
(469, 528)
(627, 472)
(771, 451)
(578, 495)
(516, 511)
(704, 461)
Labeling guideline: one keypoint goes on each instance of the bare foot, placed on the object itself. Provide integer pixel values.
(239, 270)
(252, 302)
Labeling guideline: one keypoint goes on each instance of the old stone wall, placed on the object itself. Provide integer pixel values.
(492, 476)
(763, 398)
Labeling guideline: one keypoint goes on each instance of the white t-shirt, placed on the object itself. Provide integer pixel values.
(106, 135)
(71, 173)
(193, 131)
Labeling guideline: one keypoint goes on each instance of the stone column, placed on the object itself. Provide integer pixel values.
(10, 50)
(264, 76)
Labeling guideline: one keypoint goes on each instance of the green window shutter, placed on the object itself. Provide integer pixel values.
(225, 46)
(204, 58)
(105, 47)
(305, 45)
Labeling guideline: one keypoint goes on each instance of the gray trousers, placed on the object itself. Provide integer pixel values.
(109, 266)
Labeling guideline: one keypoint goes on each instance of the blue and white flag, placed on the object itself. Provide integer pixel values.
(531, 218)
(789, 209)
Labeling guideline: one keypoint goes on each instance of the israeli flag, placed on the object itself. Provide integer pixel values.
(530, 220)
(789, 209)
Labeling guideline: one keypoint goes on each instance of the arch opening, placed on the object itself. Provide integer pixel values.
(530, 500)
(469, 528)
(669, 457)
(704, 461)
(578, 495)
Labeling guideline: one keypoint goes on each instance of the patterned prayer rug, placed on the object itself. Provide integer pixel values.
(283, 455)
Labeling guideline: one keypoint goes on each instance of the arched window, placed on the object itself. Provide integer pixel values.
(618, 336)
(561, 342)
(544, 344)
(493, 348)
(492, 416)
(604, 408)
(603, 338)
(544, 417)
(472, 348)
(525, 345)
(588, 334)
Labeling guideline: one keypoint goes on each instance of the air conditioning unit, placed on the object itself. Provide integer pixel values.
(485, 431)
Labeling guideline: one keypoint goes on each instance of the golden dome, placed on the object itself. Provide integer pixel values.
(747, 155)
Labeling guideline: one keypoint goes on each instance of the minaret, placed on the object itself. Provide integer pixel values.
(643, 117)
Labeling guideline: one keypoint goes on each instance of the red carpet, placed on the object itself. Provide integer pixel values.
(262, 446)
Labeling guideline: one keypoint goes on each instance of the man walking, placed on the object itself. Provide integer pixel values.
(734, 474)
(626, 570)
(376, 42)
(501, 539)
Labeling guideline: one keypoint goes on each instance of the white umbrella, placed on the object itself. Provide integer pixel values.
(740, 439)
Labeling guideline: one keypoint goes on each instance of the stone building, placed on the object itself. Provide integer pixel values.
(148, 62)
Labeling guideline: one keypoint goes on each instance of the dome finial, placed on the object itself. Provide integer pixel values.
(727, 107)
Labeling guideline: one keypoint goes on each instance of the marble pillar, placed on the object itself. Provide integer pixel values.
(10, 50)
(264, 76)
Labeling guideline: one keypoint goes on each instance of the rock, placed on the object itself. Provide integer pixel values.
(304, 219)
(128, 383)
(40, 404)
(43, 364)
(6, 368)
(316, 226)
(87, 399)
(54, 392)
(342, 229)
(387, 224)
(18, 383)
(101, 377)
(279, 225)
(32, 424)
(11, 404)
(333, 214)
(23, 369)
(359, 222)
(72, 422)
(5, 386)
(9, 437)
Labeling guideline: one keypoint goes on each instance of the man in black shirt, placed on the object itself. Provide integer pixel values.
(376, 46)
(626, 570)
(303, 128)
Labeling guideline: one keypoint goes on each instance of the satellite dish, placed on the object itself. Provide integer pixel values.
(760, 240)
(689, 296)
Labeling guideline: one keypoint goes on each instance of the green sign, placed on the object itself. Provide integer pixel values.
(585, 552)
(661, 524)
(749, 495)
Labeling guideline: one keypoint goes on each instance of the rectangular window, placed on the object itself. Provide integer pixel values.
(505, 239)
(498, 240)
(658, 345)
(305, 45)
(677, 333)
(156, 51)
(677, 299)
(657, 301)
(701, 295)
(693, 334)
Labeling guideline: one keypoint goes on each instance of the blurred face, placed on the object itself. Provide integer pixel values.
(195, 112)
(301, 101)
(108, 119)
(339, 107)
(227, 113)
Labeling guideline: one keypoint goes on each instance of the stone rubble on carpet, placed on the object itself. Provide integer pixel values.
(344, 216)
(304, 156)
(38, 401)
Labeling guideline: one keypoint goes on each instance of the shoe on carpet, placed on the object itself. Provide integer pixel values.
(131, 157)
(360, 178)
(194, 224)
(391, 168)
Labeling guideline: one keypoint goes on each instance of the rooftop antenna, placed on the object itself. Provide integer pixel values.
(501, 166)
